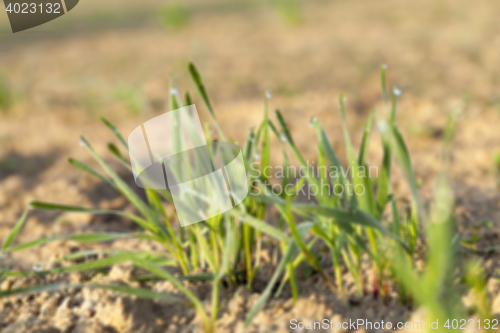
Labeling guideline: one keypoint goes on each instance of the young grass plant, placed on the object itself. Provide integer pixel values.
(226, 249)
(343, 220)
(434, 288)
(225, 244)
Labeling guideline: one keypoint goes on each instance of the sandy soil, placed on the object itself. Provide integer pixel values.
(444, 55)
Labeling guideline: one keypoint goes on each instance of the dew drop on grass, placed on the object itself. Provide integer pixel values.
(37, 267)
(397, 91)
(283, 138)
(173, 91)
(268, 94)
(81, 143)
(30, 207)
(384, 66)
(256, 155)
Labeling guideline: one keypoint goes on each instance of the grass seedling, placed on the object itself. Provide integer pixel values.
(215, 246)
(343, 220)
(356, 226)
(435, 289)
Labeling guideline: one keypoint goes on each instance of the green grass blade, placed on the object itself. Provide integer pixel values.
(201, 89)
(38, 289)
(115, 132)
(383, 84)
(137, 292)
(266, 143)
(403, 156)
(365, 140)
(365, 200)
(187, 99)
(284, 127)
(117, 153)
(80, 238)
(384, 179)
(329, 153)
(322, 198)
(346, 218)
(15, 231)
(94, 264)
(76, 209)
(260, 225)
(248, 147)
(164, 274)
(90, 170)
(347, 138)
(439, 236)
(126, 290)
(122, 186)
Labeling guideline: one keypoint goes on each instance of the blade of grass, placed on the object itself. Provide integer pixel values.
(15, 231)
(322, 198)
(260, 225)
(38, 289)
(80, 238)
(117, 153)
(201, 89)
(127, 192)
(91, 171)
(137, 292)
(164, 274)
(127, 290)
(76, 209)
(365, 140)
(346, 218)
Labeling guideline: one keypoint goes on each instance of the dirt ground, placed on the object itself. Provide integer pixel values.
(443, 55)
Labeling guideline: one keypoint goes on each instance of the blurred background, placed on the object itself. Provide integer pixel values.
(116, 58)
